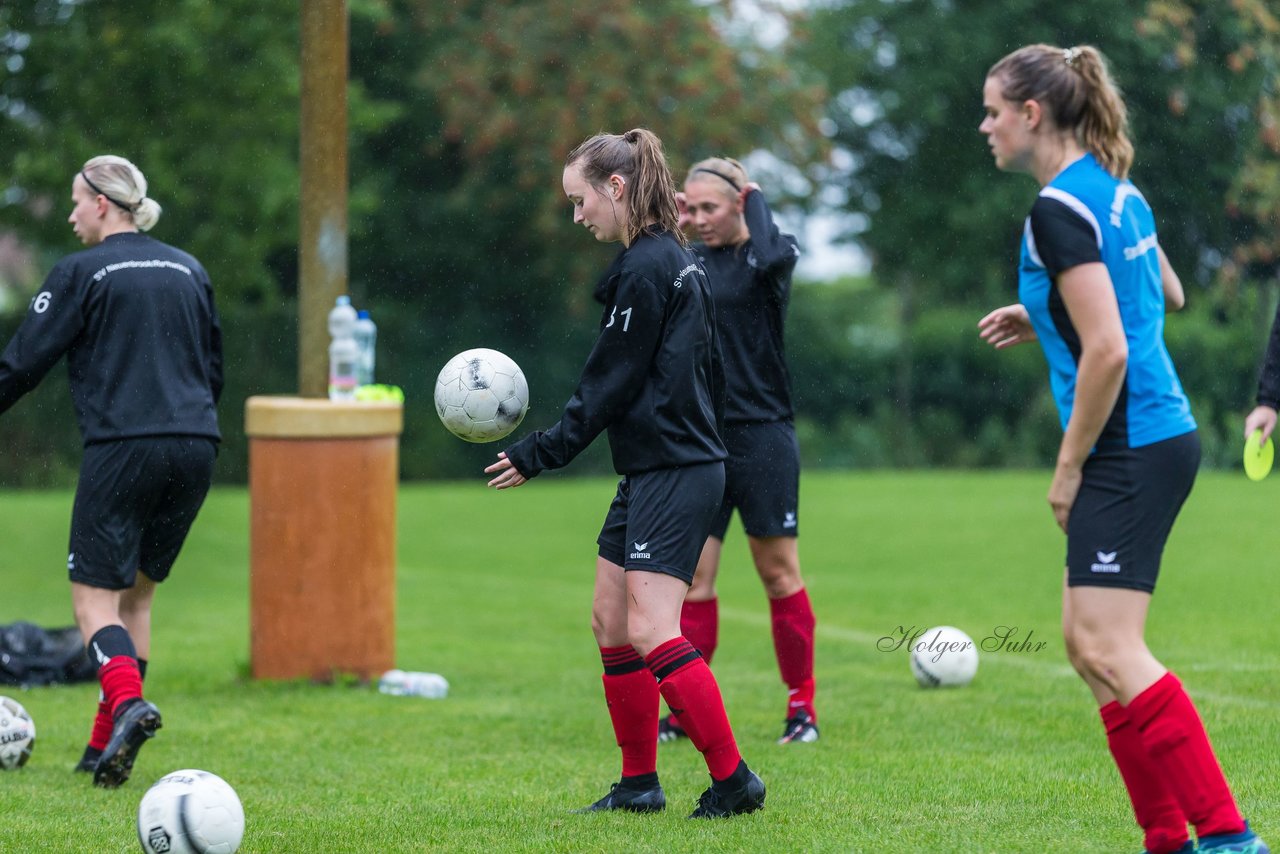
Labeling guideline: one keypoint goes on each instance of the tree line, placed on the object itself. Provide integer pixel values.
(461, 114)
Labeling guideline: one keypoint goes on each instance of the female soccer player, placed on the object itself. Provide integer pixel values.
(136, 320)
(655, 383)
(1094, 285)
(750, 262)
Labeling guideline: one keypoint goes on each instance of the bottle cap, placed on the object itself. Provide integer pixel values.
(343, 300)
(363, 314)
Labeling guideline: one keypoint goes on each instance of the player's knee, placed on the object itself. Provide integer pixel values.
(781, 578)
(598, 627)
(1096, 656)
(609, 628)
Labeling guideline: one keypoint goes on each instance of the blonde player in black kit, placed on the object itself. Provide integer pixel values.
(750, 262)
(135, 319)
(654, 382)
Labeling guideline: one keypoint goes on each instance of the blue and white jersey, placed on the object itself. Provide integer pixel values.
(1086, 215)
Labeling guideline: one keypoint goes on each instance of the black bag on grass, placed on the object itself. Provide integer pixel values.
(30, 655)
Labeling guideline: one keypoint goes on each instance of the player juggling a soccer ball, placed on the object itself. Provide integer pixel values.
(1093, 287)
(135, 319)
(654, 382)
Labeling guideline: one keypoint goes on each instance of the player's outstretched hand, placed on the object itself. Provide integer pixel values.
(507, 475)
(1007, 326)
(1261, 418)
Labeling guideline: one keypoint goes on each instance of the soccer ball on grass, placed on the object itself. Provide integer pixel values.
(17, 734)
(944, 657)
(481, 395)
(190, 812)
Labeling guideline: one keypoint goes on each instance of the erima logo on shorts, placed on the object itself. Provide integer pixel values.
(790, 520)
(640, 553)
(1106, 562)
(71, 561)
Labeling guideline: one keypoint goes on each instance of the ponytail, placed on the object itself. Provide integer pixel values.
(1104, 124)
(638, 157)
(124, 185)
(1075, 87)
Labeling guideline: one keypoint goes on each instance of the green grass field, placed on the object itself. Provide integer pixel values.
(494, 592)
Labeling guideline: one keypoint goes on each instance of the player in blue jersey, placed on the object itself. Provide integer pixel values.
(750, 262)
(1093, 287)
(654, 382)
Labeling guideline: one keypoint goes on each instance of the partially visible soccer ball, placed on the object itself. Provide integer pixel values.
(481, 395)
(190, 812)
(17, 734)
(944, 657)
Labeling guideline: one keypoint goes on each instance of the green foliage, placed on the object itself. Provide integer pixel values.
(856, 368)
(203, 96)
(944, 224)
(496, 93)
(1014, 762)
(1210, 49)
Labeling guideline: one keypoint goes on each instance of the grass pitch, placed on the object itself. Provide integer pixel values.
(494, 592)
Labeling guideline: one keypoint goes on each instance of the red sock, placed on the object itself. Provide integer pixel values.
(632, 696)
(793, 626)
(102, 725)
(1176, 741)
(691, 691)
(1161, 819)
(120, 681)
(700, 623)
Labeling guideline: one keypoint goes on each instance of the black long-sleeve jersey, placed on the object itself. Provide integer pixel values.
(136, 321)
(654, 379)
(751, 287)
(1269, 381)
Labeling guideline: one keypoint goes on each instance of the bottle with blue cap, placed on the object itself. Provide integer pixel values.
(366, 335)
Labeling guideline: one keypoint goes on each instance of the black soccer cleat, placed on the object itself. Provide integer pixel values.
(89, 761)
(800, 728)
(623, 797)
(669, 730)
(136, 722)
(742, 792)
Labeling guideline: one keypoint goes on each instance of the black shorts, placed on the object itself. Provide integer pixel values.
(761, 480)
(1122, 517)
(134, 505)
(658, 521)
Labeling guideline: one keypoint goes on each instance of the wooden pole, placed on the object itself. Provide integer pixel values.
(322, 219)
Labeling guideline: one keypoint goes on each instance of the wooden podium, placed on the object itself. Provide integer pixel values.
(322, 531)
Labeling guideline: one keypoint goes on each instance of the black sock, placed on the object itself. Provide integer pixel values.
(639, 782)
(110, 642)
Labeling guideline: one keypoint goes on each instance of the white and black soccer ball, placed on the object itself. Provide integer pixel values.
(944, 657)
(481, 395)
(190, 812)
(17, 734)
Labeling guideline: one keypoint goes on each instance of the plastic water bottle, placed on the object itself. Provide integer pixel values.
(343, 352)
(402, 683)
(366, 335)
